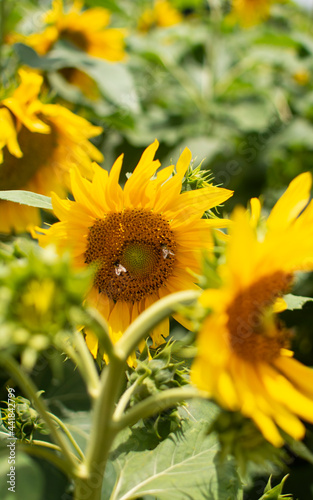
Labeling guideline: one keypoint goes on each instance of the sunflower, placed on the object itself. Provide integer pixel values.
(250, 12)
(145, 239)
(243, 360)
(87, 30)
(161, 15)
(38, 144)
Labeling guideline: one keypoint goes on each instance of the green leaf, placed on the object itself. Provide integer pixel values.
(296, 301)
(28, 479)
(114, 79)
(185, 465)
(27, 198)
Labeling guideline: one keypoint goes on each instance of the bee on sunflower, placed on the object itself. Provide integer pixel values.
(38, 144)
(244, 359)
(145, 239)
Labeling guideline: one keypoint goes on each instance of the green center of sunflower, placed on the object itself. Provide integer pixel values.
(139, 258)
(37, 150)
(134, 251)
(254, 333)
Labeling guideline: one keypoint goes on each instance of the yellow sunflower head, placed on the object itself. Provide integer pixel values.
(161, 15)
(85, 29)
(243, 358)
(38, 144)
(250, 12)
(144, 239)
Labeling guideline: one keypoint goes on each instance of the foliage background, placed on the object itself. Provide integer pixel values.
(240, 99)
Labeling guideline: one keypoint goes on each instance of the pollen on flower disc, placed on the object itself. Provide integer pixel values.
(134, 251)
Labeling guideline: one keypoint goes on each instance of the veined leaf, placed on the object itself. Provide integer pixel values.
(27, 198)
(185, 465)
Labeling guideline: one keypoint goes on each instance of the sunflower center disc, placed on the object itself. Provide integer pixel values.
(251, 336)
(134, 251)
(37, 152)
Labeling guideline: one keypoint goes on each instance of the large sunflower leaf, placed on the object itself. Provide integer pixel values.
(296, 301)
(185, 465)
(27, 198)
(113, 79)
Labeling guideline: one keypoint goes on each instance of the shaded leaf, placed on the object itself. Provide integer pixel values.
(185, 465)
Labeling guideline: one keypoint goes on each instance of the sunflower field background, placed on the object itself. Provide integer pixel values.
(103, 396)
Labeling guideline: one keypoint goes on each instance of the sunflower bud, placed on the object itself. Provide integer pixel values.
(40, 296)
(154, 376)
(26, 419)
(276, 492)
(196, 178)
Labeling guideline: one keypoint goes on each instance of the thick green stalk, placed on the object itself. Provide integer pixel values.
(102, 432)
(104, 429)
(147, 320)
(156, 403)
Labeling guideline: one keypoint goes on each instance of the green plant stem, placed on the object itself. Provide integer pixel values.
(125, 398)
(68, 434)
(81, 357)
(100, 327)
(87, 366)
(30, 390)
(102, 432)
(156, 403)
(147, 320)
(104, 429)
(41, 452)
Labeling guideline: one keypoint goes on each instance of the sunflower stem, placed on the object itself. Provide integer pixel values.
(102, 432)
(105, 425)
(100, 327)
(68, 434)
(146, 321)
(86, 366)
(155, 404)
(30, 390)
(82, 359)
(41, 451)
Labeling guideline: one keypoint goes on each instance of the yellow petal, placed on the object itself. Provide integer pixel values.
(291, 203)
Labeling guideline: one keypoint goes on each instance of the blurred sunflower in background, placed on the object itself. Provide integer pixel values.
(86, 29)
(161, 15)
(39, 143)
(243, 360)
(250, 12)
(145, 239)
